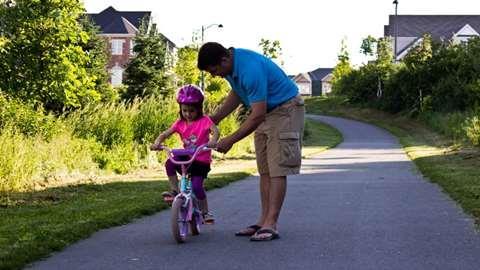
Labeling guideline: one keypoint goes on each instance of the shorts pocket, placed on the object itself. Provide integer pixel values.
(290, 150)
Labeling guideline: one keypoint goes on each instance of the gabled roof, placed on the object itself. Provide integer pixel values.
(319, 73)
(302, 77)
(112, 21)
(441, 27)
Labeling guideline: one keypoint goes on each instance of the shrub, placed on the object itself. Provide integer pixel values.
(26, 120)
(110, 124)
(28, 162)
(472, 129)
(153, 115)
(120, 158)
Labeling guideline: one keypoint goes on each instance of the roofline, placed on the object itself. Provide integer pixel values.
(329, 74)
(405, 51)
(127, 21)
(116, 35)
(438, 15)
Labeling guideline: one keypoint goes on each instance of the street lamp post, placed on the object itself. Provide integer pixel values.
(395, 32)
(204, 28)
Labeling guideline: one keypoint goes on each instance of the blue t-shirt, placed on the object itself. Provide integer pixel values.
(256, 78)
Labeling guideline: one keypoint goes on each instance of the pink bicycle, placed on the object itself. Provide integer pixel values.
(185, 208)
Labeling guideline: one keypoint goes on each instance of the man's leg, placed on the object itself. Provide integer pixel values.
(272, 192)
(260, 139)
(276, 193)
(264, 197)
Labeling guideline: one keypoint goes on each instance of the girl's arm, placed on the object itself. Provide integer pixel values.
(212, 143)
(161, 138)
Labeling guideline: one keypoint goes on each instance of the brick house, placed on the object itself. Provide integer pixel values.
(120, 28)
(409, 29)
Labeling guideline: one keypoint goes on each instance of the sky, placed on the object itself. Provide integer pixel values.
(310, 31)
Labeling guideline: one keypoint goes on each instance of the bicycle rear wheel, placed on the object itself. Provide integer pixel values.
(179, 221)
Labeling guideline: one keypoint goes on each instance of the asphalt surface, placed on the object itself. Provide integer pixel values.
(361, 205)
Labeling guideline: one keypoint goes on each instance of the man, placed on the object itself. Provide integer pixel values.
(276, 117)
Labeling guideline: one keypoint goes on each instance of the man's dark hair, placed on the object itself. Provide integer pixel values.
(211, 54)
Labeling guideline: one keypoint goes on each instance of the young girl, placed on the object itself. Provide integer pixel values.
(194, 129)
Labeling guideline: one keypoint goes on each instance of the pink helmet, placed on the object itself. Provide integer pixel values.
(189, 94)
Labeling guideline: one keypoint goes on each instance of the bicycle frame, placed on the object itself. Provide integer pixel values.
(189, 209)
(185, 183)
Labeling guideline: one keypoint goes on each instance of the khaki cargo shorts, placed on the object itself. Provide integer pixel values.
(278, 140)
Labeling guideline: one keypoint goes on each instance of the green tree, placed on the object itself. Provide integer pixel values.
(186, 72)
(343, 66)
(384, 52)
(96, 48)
(271, 49)
(417, 63)
(186, 65)
(368, 46)
(146, 73)
(42, 57)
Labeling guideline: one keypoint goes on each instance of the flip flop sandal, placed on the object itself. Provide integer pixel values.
(248, 231)
(273, 235)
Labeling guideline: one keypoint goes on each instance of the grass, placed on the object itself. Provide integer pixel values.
(319, 137)
(453, 166)
(39, 223)
(35, 224)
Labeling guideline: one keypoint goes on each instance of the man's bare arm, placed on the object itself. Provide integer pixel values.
(254, 119)
(228, 106)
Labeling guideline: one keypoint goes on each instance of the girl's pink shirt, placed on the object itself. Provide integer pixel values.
(194, 134)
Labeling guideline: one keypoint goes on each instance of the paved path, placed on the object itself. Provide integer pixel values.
(361, 205)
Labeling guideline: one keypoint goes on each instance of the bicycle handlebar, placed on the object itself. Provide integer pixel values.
(170, 154)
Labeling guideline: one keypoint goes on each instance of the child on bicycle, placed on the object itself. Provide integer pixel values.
(194, 129)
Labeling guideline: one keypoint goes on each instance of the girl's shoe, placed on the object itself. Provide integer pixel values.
(208, 218)
(168, 196)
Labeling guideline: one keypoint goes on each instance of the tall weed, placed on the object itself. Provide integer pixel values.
(472, 129)
(153, 115)
(29, 162)
(25, 119)
(110, 124)
(19, 162)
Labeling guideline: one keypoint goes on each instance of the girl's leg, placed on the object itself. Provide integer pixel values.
(172, 175)
(197, 187)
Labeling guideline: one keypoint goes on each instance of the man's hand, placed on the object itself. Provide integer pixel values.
(212, 145)
(224, 145)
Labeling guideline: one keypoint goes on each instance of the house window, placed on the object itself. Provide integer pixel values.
(116, 76)
(117, 46)
(326, 88)
(304, 88)
(132, 44)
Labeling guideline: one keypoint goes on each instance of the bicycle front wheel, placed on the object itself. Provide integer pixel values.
(179, 220)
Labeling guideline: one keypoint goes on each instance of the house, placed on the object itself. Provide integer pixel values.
(120, 28)
(315, 83)
(409, 29)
